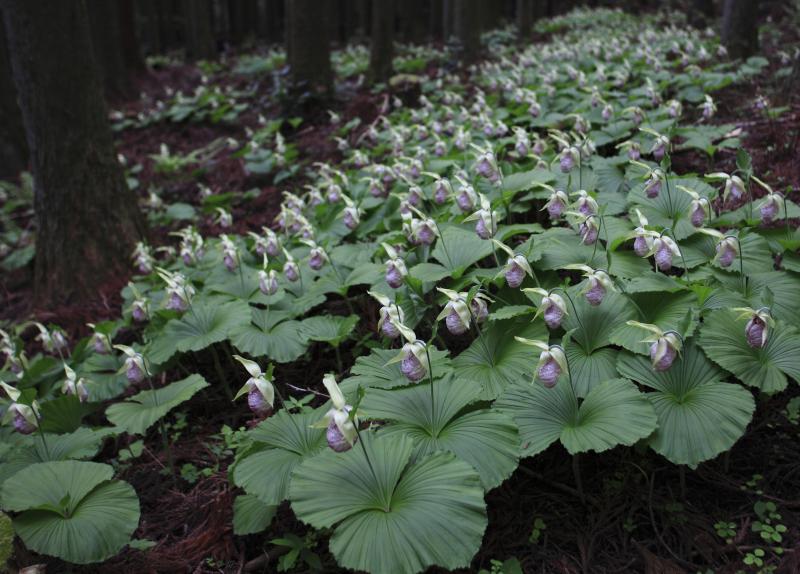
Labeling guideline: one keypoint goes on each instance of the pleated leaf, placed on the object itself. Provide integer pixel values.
(699, 417)
(484, 438)
(401, 519)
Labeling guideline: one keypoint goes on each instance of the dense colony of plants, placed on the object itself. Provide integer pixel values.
(538, 272)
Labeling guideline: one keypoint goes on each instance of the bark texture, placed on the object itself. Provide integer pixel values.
(200, 44)
(382, 40)
(468, 28)
(740, 27)
(308, 47)
(105, 33)
(87, 218)
(13, 149)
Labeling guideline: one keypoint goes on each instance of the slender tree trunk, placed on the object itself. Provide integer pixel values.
(131, 52)
(308, 48)
(436, 21)
(105, 33)
(151, 40)
(200, 44)
(740, 27)
(13, 149)
(87, 218)
(524, 20)
(448, 19)
(382, 40)
(468, 29)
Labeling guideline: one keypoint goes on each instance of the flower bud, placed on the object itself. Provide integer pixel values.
(595, 293)
(412, 368)
(556, 204)
(291, 271)
(268, 282)
(771, 207)
(257, 403)
(663, 254)
(588, 231)
(133, 370)
(479, 308)
(663, 351)
(316, 259)
(514, 274)
(21, 424)
(653, 186)
(553, 309)
(548, 372)
(756, 332)
(727, 250)
(395, 273)
(697, 213)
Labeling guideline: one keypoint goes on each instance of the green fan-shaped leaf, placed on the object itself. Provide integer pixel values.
(614, 412)
(250, 515)
(667, 310)
(205, 324)
(590, 369)
(72, 510)
(138, 413)
(593, 325)
(105, 381)
(496, 359)
(484, 438)
(80, 444)
(282, 442)
(265, 336)
(671, 206)
(458, 248)
(429, 272)
(698, 416)
(374, 370)
(332, 329)
(402, 518)
(722, 337)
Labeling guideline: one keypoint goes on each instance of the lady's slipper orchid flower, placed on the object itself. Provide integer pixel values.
(396, 271)
(699, 209)
(597, 285)
(665, 345)
(552, 307)
(515, 268)
(413, 357)
(25, 418)
(72, 385)
(290, 269)
(552, 362)
(664, 248)
(756, 331)
(259, 388)
(134, 367)
(466, 198)
(486, 219)
(143, 258)
(390, 314)
(224, 219)
(734, 186)
(341, 432)
(179, 290)
(556, 203)
(585, 204)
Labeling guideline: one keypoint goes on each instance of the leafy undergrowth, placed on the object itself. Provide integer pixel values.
(551, 303)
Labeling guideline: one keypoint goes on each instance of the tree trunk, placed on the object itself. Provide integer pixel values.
(382, 40)
(200, 44)
(151, 39)
(524, 20)
(436, 21)
(13, 149)
(131, 52)
(467, 24)
(448, 19)
(87, 218)
(308, 49)
(105, 34)
(740, 27)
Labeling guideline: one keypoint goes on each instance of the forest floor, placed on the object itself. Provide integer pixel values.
(636, 515)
